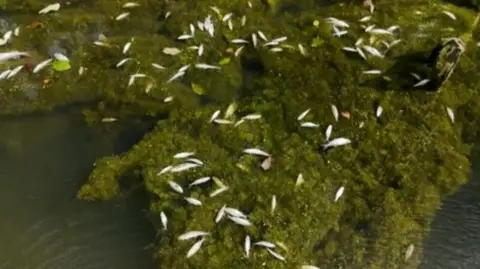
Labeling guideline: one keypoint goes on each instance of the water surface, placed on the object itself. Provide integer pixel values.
(43, 162)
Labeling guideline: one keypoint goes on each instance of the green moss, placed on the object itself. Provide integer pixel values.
(396, 171)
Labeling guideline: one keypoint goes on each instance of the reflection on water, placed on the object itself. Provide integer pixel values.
(455, 237)
(43, 161)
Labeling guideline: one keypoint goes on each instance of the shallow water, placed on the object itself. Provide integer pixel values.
(43, 162)
(455, 236)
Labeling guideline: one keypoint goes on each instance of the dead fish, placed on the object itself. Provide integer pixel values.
(300, 180)
(168, 99)
(214, 115)
(60, 57)
(372, 51)
(349, 49)
(193, 201)
(199, 181)
(194, 160)
(422, 82)
(183, 155)
(183, 167)
(379, 111)
(254, 40)
(449, 14)
(195, 248)
(256, 151)
(235, 212)
(15, 71)
(337, 22)
(176, 76)
(206, 66)
(126, 47)
(222, 121)
(12, 55)
(122, 16)
(184, 37)
(372, 72)
(247, 246)
(165, 170)
(41, 65)
(218, 191)
(175, 186)
(239, 41)
(267, 163)
(336, 142)
(5, 73)
(130, 5)
(133, 77)
(365, 19)
(339, 193)
(240, 221)
(335, 112)
(274, 203)
(328, 132)
(451, 115)
(252, 117)
(262, 36)
(122, 62)
(309, 125)
(238, 51)
(192, 234)
(264, 244)
(164, 220)
(200, 50)
(158, 66)
(276, 255)
(220, 214)
(50, 8)
(303, 114)
(409, 251)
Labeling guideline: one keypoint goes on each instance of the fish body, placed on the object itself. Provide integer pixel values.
(336, 142)
(195, 248)
(12, 55)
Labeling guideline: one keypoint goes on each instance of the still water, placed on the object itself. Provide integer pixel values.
(454, 242)
(43, 162)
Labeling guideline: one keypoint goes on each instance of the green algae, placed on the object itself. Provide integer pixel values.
(396, 172)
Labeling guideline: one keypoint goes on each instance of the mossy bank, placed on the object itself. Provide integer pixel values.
(396, 172)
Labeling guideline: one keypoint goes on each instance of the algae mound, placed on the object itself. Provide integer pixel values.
(396, 172)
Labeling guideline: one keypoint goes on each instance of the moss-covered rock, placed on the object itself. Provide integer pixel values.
(396, 171)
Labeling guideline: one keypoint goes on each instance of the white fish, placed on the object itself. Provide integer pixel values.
(306, 266)
(176, 76)
(183, 155)
(126, 47)
(168, 14)
(451, 115)
(409, 251)
(303, 114)
(193, 201)
(365, 19)
(195, 248)
(339, 193)
(206, 66)
(133, 77)
(243, 20)
(164, 220)
(42, 65)
(183, 167)
(247, 246)
(200, 50)
(422, 82)
(380, 31)
(254, 40)
(168, 99)
(218, 191)
(222, 121)
(165, 170)
(335, 112)
(252, 117)
(130, 5)
(373, 51)
(276, 255)
(309, 125)
(194, 160)
(14, 71)
(300, 180)
(192, 234)
(449, 14)
(49, 8)
(215, 115)
(158, 66)
(199, 181)
(235, 212)
(337, 22)
(7, 35)
(220, 214)
(239, 122)
(122, 62)
(265, 244)
(350, 49)
(5, 73)
(262, 36)
(379, 111)
(240, 221)
(122, 16)
(192, 29)
(274, 203)
(328, 132)
(372, 72)
(109, 119)
(184, 37)
(60, 57)
(175, 186)
(276, 49)
(227, 17)
(360, 52)
(239, 41)
(255, 151)
(336, 142)
(16, 32)
(238, 51)
(230, 24)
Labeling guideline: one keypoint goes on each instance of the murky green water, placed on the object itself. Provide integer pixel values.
(43, 162)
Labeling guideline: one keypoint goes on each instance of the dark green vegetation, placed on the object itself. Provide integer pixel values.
(396, 171)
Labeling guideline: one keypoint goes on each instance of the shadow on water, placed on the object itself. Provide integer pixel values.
(453, 242)
(43, 161)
